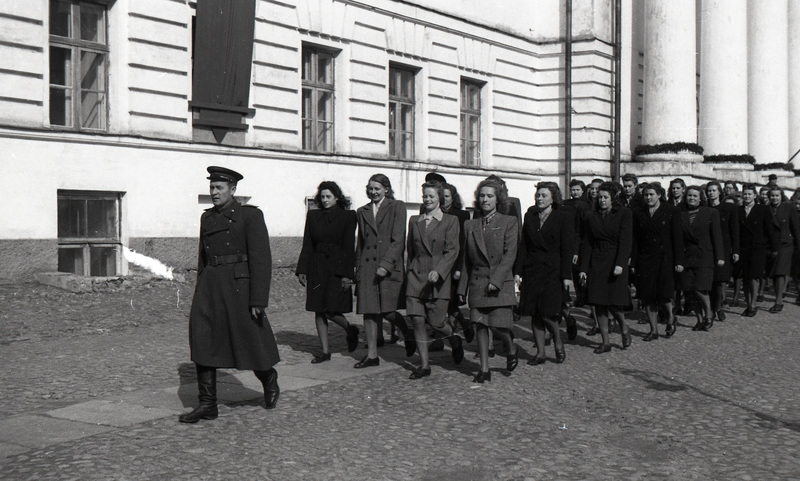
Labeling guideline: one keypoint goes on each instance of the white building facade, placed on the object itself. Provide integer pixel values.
(106, 139)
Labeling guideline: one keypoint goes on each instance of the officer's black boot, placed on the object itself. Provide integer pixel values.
(206, 393)
(271, 390)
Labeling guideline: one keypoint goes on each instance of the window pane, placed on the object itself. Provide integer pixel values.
(93, 110)
(393, 81)
(307, 59)
(392, 116)
(93, 23)
(60, 18)
(325, 69)
(103, 261)
(392, 144)
(407, 147)
(475, 98)
(308, 110)
(60, 106)
(406, 118)
(474, 128)
(93, 71)
(324, 105)
(71, 218)
(307, 135)
(70, 259)
(325, 137)
(407, 84)
(102, 219)
(61, 66)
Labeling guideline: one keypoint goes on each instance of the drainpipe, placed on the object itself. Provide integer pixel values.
(617, 87)
(568, 97)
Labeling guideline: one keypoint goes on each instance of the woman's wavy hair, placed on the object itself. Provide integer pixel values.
(719, 187)
(438, 187)
(614, 189)
(783, 195)
(500, 190)
(385, 182)
(555, 192)
(656, 186)
(457, 203)
(699, 191)
(341, 200)
(677, 181)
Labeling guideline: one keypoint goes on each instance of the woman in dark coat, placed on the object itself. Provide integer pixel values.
(454, 206)
(657, 250)
(702, 251)
(787, 221)
(488, 282)
(544, 266)
(605, 252)
(380, 269)
(326, 266)
(729, 226)
(432, 250)
(757, 233)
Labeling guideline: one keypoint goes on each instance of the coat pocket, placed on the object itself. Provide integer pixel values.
(241, 270)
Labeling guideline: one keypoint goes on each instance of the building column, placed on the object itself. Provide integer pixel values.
(794, 80)
(768, 80)
(723, 77)
(670, 92)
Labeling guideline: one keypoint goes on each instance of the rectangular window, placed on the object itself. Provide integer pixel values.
(78, 65)
(470, 123)
(401, 113)
(318, 91)
(89, 233)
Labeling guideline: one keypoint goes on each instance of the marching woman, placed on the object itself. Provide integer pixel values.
(657, 250)
(544, 266)
(432, 253)
(702, 251)
(605, 251)
(380, 266)
(756, 235)
(729, 226)
(487, 280)
(326, 266)
(454, 206)
(787, 222)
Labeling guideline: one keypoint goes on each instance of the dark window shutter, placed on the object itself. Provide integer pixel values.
(222, 63)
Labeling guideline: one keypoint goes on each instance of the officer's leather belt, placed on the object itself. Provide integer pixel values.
(223, 260)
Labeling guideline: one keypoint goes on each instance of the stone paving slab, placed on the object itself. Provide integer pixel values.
(110, 413)
(38, 431)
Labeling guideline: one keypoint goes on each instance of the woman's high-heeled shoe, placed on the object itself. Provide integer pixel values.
(699, 325)
(482, 377)
(561, 355)
(602, 348)
(512, 360)
(626, 340)
(593, 331)
(536, 360)
(707, 323)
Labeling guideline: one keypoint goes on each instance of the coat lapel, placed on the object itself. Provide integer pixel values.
(425, 232)
(385, 208)
(369, 217)
(479, 241)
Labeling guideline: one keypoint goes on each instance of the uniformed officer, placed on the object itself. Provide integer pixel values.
(228, 326)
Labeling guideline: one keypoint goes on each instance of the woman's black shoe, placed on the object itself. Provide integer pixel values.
(626, 339)
(321, 357)
(760, 298)
(352, 338)
(367, 362)
(670, 329)
(536, 360)
(776, 308)
(419, 373)
(699, 325)
(593, 331)
(491, 352)
(482, 377)
(721, 315)
(651, 336)
(572, 328)
(561, 355)
(512, 360)
(602, 348)
(458, 349)
(707, 323)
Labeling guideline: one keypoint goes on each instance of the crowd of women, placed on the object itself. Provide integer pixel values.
(607, 245)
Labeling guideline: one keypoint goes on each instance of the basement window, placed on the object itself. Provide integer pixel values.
(89, 233)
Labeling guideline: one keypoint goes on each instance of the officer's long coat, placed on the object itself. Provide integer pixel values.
(234, 271)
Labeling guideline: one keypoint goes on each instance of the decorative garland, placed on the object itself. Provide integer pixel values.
(774, 166)
(733, 159)
(672, 148)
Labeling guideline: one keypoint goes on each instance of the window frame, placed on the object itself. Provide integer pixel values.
(398, 101)
(77, 46)
(467, 113)
(315, 88)
(86, 243)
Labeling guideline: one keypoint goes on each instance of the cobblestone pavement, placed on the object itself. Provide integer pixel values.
(94, 382)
